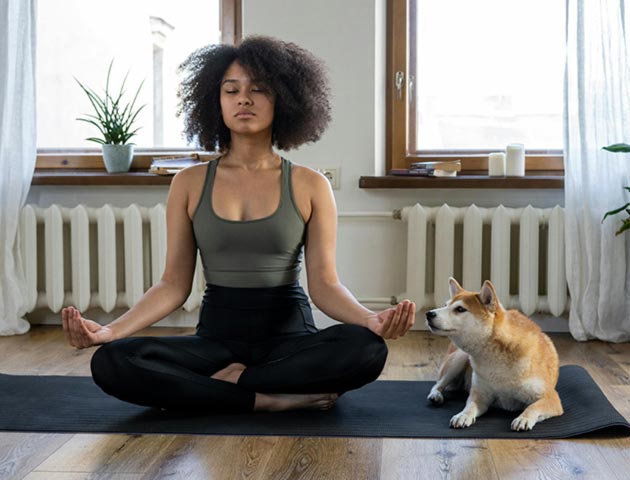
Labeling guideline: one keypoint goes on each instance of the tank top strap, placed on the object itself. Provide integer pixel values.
(288, 200)
(212, 170)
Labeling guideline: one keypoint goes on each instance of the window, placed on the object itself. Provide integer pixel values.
(466, 78)
(147, 39)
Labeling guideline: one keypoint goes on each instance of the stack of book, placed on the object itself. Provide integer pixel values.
(172, 165)
(429, 169)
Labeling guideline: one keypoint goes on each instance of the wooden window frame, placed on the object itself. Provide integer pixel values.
(474, 162)
(88, 162)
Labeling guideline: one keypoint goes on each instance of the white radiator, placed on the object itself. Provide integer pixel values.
(108, 257)
(485, 248)
(127, 250)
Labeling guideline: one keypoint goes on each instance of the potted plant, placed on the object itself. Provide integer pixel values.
(625, 223)
(115, 120)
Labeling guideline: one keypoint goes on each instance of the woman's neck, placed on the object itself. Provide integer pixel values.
(250, 155)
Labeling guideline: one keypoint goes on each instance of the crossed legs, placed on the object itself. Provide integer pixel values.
(195, 372)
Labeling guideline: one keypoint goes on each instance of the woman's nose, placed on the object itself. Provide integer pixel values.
(244, 100)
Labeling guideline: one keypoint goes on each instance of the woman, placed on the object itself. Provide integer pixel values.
(250, 214)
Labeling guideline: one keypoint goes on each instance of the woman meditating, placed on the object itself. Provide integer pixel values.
(251, 213)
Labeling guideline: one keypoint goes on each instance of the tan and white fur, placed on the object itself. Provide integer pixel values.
(500, 356)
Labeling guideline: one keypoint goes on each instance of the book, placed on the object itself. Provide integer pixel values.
(448, 166)
(429, 169)
(172, 165)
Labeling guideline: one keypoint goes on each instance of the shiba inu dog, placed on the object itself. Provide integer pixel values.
(501, 357)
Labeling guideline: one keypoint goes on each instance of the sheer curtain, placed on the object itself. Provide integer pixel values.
(597, 113)
(17, 150)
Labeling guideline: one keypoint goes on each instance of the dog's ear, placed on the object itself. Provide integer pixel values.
(453, 287)
(488, 296)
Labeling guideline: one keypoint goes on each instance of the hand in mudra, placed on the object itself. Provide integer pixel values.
(394, 322)
(81, 332)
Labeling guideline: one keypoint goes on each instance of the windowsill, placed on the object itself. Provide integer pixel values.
(539, 179)
(91, 176)
(536, 179)
(86, 168)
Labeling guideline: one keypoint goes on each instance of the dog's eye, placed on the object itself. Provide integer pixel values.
(460, 309)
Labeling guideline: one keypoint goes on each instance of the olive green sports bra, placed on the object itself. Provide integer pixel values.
(265, 252)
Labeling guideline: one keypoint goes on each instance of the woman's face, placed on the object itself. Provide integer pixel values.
(247, 105)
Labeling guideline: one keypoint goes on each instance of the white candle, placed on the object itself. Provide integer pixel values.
(496, 164)
(515, 160)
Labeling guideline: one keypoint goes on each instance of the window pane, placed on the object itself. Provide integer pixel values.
(488, 73)
(147, 38)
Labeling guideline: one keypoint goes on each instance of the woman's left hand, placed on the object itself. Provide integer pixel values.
(394, 322)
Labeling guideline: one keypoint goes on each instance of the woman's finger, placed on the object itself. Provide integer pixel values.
(77, 334)
(391, 326)
(409, 318)
(412, 316)
(72, 328)
(401, 326)
(64, 324)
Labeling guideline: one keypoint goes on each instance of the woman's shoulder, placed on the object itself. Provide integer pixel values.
(190, 179)
(192, 173)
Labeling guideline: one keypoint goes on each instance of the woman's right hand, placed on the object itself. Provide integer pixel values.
(81, 332)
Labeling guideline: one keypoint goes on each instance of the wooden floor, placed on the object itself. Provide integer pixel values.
(415, 357)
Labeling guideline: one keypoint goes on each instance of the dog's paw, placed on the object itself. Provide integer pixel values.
(462, 420)
(522, 423)
(435, 397)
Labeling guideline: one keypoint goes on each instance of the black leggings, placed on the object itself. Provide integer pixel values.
(270, 330)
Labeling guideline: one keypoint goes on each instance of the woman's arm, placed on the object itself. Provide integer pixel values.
(324, 286)
(162, 298)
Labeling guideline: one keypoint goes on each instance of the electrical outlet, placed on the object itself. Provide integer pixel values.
(332, 174)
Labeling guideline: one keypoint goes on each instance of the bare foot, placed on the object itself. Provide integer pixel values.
(277, 402)
(231, 373)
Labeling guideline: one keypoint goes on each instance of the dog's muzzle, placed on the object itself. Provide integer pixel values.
(430, 316)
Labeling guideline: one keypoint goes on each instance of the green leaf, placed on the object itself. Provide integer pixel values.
(614, 212)
(112, 116)
(617, 148)
(625, 225)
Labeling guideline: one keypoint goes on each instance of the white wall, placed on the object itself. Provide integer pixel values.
(349, 37)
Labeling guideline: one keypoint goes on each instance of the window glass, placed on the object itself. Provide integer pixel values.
(147, 38)
(487, 73)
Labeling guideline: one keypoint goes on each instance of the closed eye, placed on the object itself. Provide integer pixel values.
(460, 309)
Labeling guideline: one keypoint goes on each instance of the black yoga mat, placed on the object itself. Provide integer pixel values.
(381, 409)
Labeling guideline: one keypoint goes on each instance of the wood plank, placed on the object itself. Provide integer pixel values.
(414, 357)
(82, 476)
(431, 459)
(192, 457)
(550, 459)
(107, 453)
(22, 452)
(317, 458)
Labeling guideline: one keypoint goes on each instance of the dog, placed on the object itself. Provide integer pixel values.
(501, 357)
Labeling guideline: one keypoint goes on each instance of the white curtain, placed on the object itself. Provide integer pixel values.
(597, 114)
(17, 151)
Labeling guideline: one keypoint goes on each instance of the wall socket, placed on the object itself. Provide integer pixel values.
(332, 174)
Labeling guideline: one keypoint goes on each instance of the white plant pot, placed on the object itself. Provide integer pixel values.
(117, 158)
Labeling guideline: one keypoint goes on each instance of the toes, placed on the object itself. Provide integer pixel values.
(462, 420)
(436, 398)
(521, 424)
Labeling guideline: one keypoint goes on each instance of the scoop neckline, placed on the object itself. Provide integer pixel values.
(254, 220)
